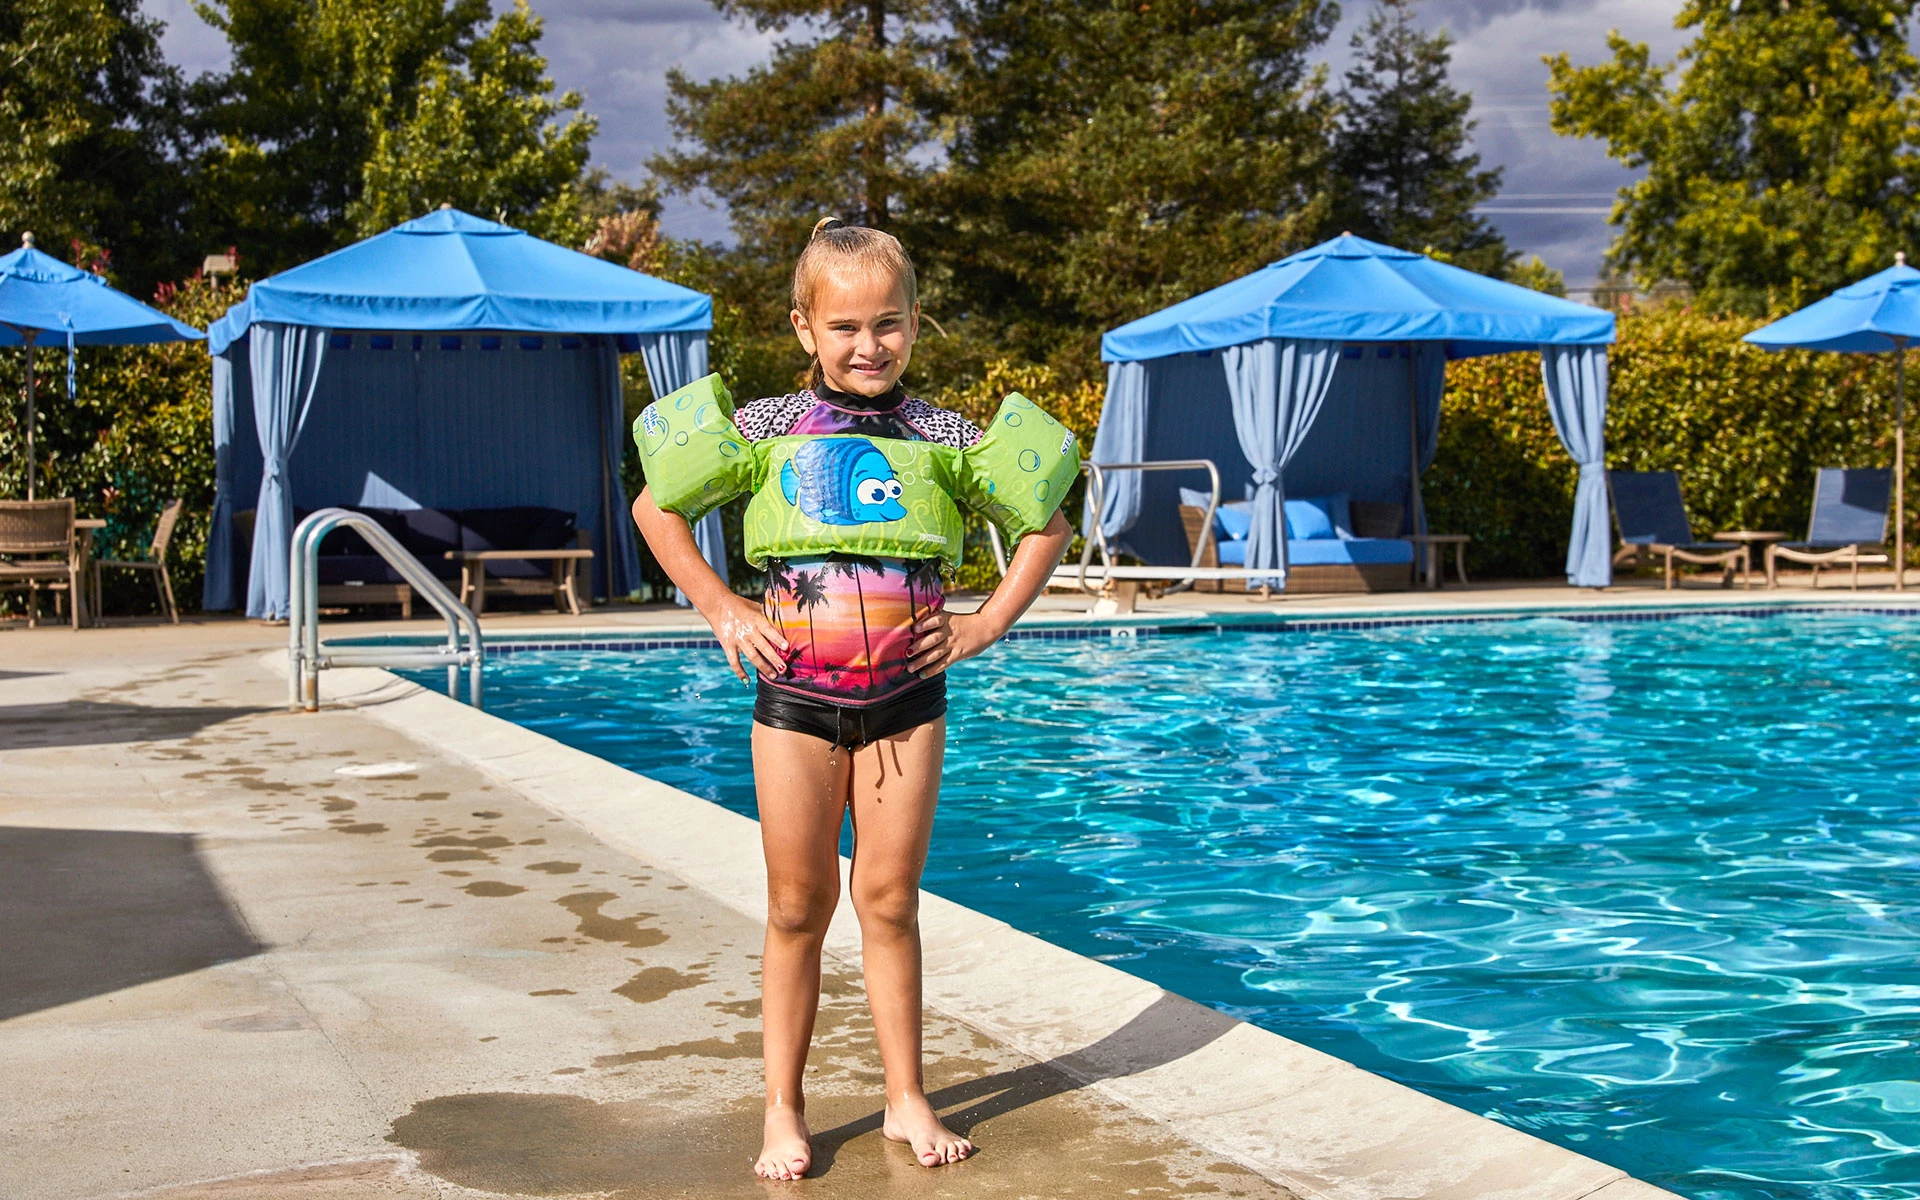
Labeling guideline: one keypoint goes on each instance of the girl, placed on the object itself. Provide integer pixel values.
(875, 687)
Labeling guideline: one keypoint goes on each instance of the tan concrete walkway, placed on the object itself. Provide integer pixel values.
(248, 953)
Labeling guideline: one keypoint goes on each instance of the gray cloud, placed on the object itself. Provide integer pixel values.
(617, 53)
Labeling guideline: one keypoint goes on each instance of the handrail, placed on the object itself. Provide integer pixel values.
(1096, 502)
(1096, 497)
(305, 659)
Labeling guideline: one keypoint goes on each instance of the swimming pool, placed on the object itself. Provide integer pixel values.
(1645, 890)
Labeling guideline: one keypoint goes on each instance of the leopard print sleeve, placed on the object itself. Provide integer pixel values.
(940, 425)
(773, 416)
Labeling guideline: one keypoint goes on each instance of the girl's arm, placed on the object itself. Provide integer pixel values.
(943, 639)
(745, 634)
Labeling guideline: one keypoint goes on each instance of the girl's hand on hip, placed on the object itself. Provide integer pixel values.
(748, 639)
(945, 638)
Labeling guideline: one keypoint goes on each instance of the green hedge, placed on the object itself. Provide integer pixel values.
(1745, 428)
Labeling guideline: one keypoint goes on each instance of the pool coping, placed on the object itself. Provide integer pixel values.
(694, 634)
(1324, 1128)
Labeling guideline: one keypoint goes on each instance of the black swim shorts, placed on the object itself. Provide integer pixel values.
(847, 725)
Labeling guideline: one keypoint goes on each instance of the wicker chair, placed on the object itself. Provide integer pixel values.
(37, 548)
(155, 561)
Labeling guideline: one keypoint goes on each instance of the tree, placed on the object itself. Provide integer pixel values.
(482, 135)
(340, 117)
(1107, 159)
(87, 103)
(1533, 272)
(1779, 166)
(829, 127)
(1405, 173)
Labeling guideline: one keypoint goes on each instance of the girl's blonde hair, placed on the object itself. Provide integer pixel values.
(836, 245)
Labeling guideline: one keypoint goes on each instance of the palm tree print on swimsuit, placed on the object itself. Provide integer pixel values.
(851, 618)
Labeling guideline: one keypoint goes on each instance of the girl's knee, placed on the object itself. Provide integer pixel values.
(893, 903)
(799, 910)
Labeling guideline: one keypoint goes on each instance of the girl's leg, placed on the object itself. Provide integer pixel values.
(896, 783)
(801, 783)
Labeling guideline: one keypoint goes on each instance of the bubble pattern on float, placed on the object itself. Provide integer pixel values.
(696, 460)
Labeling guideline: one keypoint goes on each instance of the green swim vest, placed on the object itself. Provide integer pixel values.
(883, 497)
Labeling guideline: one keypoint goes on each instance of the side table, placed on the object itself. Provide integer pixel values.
(1430, 544)
(1756, 542)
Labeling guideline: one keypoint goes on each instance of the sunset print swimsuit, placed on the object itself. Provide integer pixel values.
(849, 618)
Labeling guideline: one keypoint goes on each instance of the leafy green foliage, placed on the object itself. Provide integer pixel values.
(1533, 272)
(1745, 428)
(1781, 163)
(1403, 172)
(482, 135)
(86, 102)
(827, 128)
(1107, 159)
(138, 433)
(339, 118)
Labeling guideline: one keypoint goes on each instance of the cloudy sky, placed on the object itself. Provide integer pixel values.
(617, 53)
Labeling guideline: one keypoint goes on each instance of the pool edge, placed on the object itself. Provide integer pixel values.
(694, 635)
(1314, 1123)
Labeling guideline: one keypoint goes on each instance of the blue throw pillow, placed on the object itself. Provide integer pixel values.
(1319, 518)
(1233, 521)
(1308, 519)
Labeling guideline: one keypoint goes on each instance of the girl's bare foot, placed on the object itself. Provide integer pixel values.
(786, 1148)
(912, 1121)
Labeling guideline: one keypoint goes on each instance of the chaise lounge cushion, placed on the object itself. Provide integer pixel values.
(525, 527)
(428, 533)
(1321, 552)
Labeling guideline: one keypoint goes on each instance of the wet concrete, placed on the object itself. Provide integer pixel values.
(342, 1012)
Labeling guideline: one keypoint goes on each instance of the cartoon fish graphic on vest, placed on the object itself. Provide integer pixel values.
(842, 481)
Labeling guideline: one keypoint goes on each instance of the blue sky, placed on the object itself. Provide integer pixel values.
(617, 53)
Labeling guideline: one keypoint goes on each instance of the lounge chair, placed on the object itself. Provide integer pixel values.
(1652, 518)
(1848, 526)
(155, 561)
(37, 540)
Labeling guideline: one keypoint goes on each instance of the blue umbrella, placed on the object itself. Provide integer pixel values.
(1880, 313)
(40, 294)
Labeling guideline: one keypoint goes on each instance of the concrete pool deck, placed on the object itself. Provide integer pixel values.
(498, 966)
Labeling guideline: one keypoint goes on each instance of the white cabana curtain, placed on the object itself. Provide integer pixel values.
(675, 360)
(1576, 379)
(1277, 386)
(1122, 437)
(285, 361)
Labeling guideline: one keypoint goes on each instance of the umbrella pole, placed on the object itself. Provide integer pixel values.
(26, 340)
(1900, 469)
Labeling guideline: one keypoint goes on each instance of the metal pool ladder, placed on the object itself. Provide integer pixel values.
(307, 656)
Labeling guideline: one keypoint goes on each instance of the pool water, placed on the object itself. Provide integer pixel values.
(1650, 891)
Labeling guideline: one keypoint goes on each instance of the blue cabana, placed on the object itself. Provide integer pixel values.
(449, 362)
(1881, 313)
(1322, 373)
(40, 295)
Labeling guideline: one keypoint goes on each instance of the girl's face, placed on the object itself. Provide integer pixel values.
(861, 329)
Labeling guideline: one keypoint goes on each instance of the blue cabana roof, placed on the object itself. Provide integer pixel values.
(1353, 290)
(450, 271)
(38, 291)
(1879, 313)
